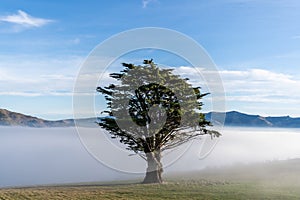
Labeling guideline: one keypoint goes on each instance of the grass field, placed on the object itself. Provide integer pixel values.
(276, 180)
(171, 190)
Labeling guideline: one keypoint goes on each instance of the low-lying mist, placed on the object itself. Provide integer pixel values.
(34, 156)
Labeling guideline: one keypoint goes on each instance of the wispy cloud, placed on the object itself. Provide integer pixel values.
(256, 85)
(36, 94)
(75, 41)
(146, 2)
(24, 19)
(28, 76)
(250, 90)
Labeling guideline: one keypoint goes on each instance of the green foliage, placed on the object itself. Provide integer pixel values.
(145, 87)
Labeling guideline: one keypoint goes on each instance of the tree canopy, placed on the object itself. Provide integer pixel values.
(152, 110)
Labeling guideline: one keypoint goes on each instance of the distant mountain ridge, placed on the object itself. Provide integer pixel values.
(232, 118)
(8, 118)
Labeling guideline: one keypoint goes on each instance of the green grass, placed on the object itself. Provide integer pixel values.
(198, 189)
(274, 180)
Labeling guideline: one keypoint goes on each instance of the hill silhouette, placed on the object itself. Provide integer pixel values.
(232, 118)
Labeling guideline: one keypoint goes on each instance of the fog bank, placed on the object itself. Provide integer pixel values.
(33, 156)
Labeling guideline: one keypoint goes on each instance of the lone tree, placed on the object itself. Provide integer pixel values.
(153, 110)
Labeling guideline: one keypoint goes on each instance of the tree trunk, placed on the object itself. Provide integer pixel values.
(154, 169)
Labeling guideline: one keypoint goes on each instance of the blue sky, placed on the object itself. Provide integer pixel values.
(254, 43)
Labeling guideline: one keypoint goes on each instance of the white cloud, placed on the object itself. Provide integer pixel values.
(32, 76)
(146, 2)
(4, 75)
(24, 19)
(75, 41)
(259, 80)
(250, 90)
(254, 91)
(48, 76)
(255, 85)
(36, 94)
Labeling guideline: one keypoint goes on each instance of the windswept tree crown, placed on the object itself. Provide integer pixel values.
(152, 109)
